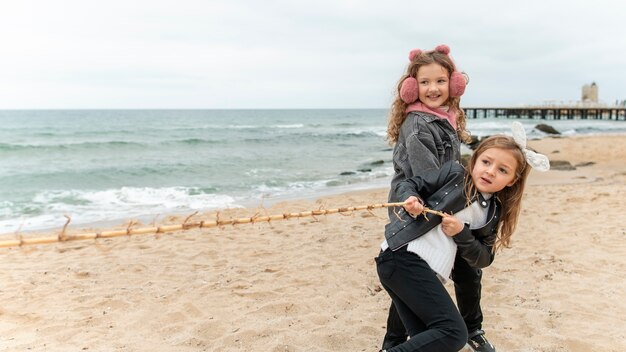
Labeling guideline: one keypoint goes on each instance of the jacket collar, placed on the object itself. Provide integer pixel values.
(484, 202)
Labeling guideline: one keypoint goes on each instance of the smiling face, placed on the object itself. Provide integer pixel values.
(495, 169)
(433, 82)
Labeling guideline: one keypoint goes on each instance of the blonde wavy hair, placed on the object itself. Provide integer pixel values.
(510, 197)
(398, 114)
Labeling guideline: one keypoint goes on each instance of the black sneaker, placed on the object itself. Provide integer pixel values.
(479, 343)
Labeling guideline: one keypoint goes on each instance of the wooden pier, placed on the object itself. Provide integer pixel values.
(615, 113)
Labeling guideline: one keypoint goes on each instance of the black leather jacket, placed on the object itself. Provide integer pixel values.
(442, 190)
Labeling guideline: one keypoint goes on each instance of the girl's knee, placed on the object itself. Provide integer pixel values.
(455, 335)
(458, 337)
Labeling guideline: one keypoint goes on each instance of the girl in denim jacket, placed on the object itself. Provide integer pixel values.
(426, 126)
(426, 123)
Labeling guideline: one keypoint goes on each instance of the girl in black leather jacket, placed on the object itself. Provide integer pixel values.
(419, 254)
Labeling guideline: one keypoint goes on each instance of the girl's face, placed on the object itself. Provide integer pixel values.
(495, 169)
(433, 82)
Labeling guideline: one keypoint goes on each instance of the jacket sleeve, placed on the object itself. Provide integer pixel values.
(478, 254)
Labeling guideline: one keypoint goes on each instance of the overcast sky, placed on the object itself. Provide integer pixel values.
(300, 54)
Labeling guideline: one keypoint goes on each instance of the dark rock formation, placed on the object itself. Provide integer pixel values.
(561, 165)
(585, 163)
(546, 129)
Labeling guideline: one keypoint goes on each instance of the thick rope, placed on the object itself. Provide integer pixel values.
(129, 231)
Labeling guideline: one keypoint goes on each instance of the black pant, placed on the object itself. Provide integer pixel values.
(427, 311)
(467, 289)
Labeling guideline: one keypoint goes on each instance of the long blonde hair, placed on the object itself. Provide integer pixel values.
(398, 114)
(510, 197)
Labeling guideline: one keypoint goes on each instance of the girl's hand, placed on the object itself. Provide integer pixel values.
(451, 226)
(413, 206)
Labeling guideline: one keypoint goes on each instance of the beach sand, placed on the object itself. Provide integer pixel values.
(310, 284)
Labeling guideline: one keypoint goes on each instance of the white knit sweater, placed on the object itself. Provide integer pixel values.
(439, 250)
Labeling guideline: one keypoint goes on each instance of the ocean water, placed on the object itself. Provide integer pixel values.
(116, 165)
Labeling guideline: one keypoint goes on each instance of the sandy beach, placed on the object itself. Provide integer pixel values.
(310, 284)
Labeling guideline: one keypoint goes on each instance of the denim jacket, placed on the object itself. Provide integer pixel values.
(442, 190)
(425, 142)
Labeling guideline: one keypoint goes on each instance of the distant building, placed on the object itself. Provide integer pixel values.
(590, 93)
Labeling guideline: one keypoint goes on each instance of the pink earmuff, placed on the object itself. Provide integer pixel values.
(457, 84)
(409, 89)
(414, 53)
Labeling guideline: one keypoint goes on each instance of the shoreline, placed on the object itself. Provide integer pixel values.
(543, 145)
(310, 195)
